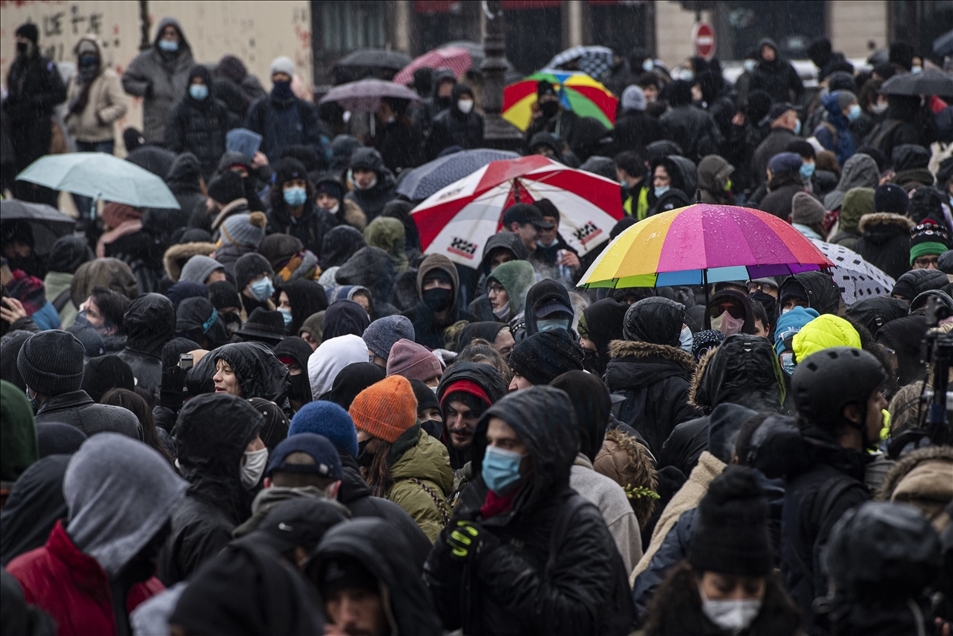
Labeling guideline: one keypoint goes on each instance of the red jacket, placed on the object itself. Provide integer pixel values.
(72, 587)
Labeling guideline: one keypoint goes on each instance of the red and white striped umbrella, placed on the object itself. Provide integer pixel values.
(453, 57)
(457, 220)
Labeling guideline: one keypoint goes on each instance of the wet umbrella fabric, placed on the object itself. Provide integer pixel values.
(47, 223)
(423, 181)
(452, 57)
(856, 278)
(365, 95)
(375, 58)
(929, 82)
(594, 61)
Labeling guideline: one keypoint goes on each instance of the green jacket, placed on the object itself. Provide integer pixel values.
(422, 480)
(54, 284)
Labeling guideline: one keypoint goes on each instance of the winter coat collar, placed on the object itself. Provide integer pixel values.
(619, 349)
(884, 218)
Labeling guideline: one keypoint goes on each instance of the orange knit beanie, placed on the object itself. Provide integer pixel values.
(385, 409)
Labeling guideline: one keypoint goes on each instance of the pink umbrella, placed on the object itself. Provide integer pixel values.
(453, 57)
(457, 220)
(365, 95)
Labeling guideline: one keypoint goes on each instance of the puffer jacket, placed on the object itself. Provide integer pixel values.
(885, 242)
(533, 582)
(910, 162)
(211, 435)
(160, 79)
(106, 102)
(422, 479)
(922, 478)
(372, 200)
(149, 323)
(199, 127)
(655, 381)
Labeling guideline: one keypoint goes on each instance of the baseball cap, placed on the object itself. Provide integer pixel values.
(524, 213)
(778, 109)
(551, 307)
(327, 462)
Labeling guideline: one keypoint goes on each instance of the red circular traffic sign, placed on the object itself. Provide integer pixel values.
(703, 37)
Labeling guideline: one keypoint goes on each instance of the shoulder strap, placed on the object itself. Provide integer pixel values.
(438, 501)
(61, 299)
(830, 491)
(882, 135)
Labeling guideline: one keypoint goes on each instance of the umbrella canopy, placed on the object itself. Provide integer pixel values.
(423, 181)
(365, 95)
(457, 220)
(47, 223)
(454, 58)
(856, 278)
(929, 82)
(591, 60)
(477, 55)
(100, 176)
(375, 58)
(943, 45)
(577, 92)
(701, 244)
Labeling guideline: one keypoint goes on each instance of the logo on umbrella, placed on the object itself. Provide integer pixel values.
(462, 247)
(587, 232)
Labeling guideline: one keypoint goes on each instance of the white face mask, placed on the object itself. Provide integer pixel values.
(727, 325)
(254, 467)
(465, 106)
(686, 339)
(749, 65)
(879, 107)
(732, 615)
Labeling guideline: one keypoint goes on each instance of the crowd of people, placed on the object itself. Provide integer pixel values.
(268, 412)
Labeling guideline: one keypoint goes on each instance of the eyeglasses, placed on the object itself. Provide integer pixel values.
(495, 289)
(923, 262)
(766, 288)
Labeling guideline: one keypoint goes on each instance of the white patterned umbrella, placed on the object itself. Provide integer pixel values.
(592, 60)
(856, 278)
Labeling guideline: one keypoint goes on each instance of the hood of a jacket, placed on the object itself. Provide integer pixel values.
(603, 323)
(742, 370)
(425, 459)
(120, 493)
(183, 43)
(388, 234)
(329, 360)
(184, 174)
(858, 202)
(544, 420)
(682, 172)
(823, 295)
(388, 556)
(340, 244)
(441, 262)
(880, 227)
(259, 372)
(860, 171)
(930, 462)
(373, 268)
(33, 507)
(637, 365)
(458, 91)
(110, 273)
(910, 157)
(370, 159)
(97, 44)
(505, 240)
(738, 298)
(149, 323)
(516, 277)
(714, 173)
(211, 434)
(342, 147)
(834, 114)
(485, 376)
(539, 293)
(784, 447)
(178, 255)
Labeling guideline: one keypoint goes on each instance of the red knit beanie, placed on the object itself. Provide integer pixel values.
(385, 409)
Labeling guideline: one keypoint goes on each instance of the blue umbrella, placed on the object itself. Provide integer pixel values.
(100, 176)
(423, 181)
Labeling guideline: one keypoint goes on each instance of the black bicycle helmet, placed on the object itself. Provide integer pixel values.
(827, 381)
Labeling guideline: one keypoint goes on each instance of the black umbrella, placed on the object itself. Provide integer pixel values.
(47, 223)
(376, 58)
(943, 45)
(929, 82)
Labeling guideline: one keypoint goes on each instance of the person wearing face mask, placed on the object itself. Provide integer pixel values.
(160, 76)
(198, 320)
(293, 210)
(519, 515)
(673, 178)
(834, 134)
(726, 584)
(198, 122)
(253, 278)
(784, 128)
(219, 452)
(437, 285)
(95, 99)
(506, 290)
(788, 325)
(459, 125)
(35, 88)
(549, 115)
(282, 118)
(372, 183)
(329, 195)
(729, 311)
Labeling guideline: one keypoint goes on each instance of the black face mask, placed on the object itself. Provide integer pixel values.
(297, 387)
(592, 363)
(21, 48)
(549, 109)
(438, 299)
(364, 458)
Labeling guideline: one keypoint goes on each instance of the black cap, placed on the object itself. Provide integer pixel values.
(524, 213)
(778, 110)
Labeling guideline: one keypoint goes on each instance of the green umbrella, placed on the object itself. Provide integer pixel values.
(100, 176)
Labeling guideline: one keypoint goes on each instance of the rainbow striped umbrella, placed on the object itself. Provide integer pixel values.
(702, 244)
(577, 92)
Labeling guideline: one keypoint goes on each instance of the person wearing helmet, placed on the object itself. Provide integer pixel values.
(837, 393)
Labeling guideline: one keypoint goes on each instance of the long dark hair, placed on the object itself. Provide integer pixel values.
(131, 401)
(377, 475)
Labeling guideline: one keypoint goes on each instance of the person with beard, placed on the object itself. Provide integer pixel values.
(775, 75)
(160, 75)
(437, 286)
(35, 88)
(372, 182)
(281, 118)
(293, 210)
(458, 125)
(99, 565)
(199, 121)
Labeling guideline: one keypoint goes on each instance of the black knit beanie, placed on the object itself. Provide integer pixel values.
(223, 294)
(657, 320)
(68, 253)
(105, 373)
(730, 535)
(51, 362)
(226, 187)
(545, 355)
(249, 267)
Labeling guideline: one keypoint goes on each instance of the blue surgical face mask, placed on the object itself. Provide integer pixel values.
(169, 46)
(648, 65)
(286, 316)
(787, 362)
(32, 400)
(686, 340)
(262, 289)
(807, 170)
(916, 69)
(854, 113)
(295, 196)
(501, 469)
(548, 324)
(198, 91)
(797, 127)
(660, 191)
(749, 65)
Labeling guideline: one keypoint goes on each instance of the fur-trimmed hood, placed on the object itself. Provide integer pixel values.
(885, 218)
(742, 370)
(641, 350)
(924, 478)
(628, 463)
(176, 256)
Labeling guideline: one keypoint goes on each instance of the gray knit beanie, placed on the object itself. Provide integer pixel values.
(246, 230)
(198, 268)
(284, 65)
(383, 333)
(51, 362)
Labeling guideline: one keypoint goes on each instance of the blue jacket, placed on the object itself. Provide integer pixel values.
(282, 123)
(842, 143)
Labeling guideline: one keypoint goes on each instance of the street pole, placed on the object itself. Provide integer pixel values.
(497, 132)
(144, 42)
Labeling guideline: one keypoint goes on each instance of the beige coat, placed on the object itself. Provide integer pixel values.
(107, 103)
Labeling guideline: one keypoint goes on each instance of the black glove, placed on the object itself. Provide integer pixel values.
(470, 540)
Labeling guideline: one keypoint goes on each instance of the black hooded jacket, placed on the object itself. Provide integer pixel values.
(183, 180)
(340, 244)
(603, 323)
(541, 292)
(509, 241)
(822, 294)
(149, 323)
(533, 581)
(885, 242)
(35, 504)
(306, 298)
(386, 555)
(260, 374)
(484, 376)
(310, 229)
(211, 435)
(373, 268)
(453, 127)
(777, 78)
(373, 199)
(429, 325)
(199, 126)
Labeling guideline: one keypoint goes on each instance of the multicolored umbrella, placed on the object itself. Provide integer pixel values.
(577, 92)
(592, 60)
(458, 220)
(702, 244)
(453, 57)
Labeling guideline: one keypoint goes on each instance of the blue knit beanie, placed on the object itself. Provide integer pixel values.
(330, 420)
